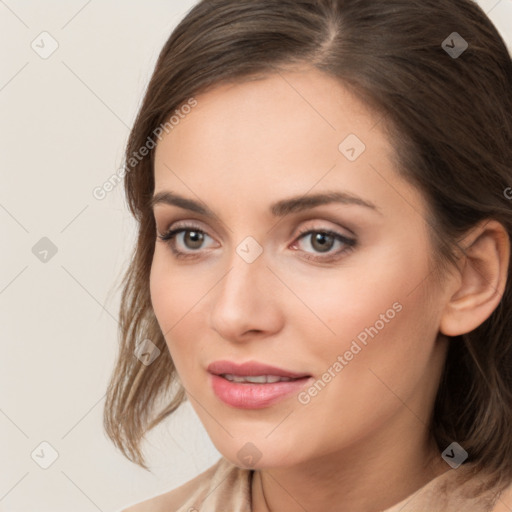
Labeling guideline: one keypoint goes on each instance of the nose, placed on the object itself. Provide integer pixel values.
(246, 303)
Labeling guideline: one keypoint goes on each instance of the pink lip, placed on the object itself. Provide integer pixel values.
(253, 396)
(251, 368)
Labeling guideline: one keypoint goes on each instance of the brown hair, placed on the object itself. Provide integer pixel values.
(449, 118)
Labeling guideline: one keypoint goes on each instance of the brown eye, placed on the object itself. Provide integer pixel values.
(193, 239)
(322, 242)
(185, 242)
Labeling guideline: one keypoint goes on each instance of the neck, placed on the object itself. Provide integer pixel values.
(370, 478)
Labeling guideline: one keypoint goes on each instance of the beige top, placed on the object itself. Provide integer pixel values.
(225, 487)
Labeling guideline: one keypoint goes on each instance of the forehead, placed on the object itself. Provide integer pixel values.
(283, 135)
(275, 114)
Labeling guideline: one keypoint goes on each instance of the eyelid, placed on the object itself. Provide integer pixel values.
(313, 225)
(186, 224)
(296, 233)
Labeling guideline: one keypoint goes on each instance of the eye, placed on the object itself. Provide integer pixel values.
(322, 241)
(190, 237)
(187, 241)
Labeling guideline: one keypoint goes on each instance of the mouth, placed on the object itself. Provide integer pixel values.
(256, 379)
(254, 385)
(252, 369)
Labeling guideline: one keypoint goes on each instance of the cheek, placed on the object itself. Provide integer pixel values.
(176, 297)
(362, 385)
(378, 316)
(368, 297)
(382, 351)
(174, 291)
(162, 297)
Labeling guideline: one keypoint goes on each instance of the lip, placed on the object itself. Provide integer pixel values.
(253, 396)
(251, 368)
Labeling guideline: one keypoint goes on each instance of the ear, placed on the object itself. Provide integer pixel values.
(481, 279)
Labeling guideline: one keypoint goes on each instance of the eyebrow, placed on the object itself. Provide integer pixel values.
(278, 209)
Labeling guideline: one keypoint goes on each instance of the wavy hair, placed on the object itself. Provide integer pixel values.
(449, 119)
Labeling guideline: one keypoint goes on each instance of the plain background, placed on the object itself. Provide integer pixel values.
(63, 126)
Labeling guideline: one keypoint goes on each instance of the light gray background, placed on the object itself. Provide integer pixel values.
(63, 125)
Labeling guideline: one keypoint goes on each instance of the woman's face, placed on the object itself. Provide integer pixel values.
(337, 291)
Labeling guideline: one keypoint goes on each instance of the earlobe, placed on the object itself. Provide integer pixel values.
(481, 280)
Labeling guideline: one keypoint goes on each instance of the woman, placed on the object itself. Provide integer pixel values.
(322, 258)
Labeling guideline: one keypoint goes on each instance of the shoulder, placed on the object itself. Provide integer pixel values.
(465, 488)
(227, 480)
(177, 495)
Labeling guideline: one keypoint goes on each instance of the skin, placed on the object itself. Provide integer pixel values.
(362, 443)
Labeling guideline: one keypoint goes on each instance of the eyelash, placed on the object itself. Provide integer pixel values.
(169, 238)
